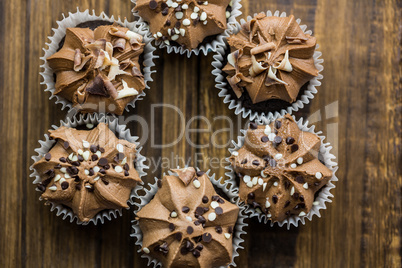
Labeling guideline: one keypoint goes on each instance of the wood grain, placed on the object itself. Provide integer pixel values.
(358, 107)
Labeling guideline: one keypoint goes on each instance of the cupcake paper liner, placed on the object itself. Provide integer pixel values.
(122, 133)
(72, 20)
(203, 48)
(221, 184)
(224, 87)
(323, 196)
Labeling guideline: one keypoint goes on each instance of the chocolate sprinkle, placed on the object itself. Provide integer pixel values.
(196, 253)
(300, 179)
(102, 162)
(66, 145)
(207, 237)
(190, 230)
(58, 166)
(105, 181)
(80, 158)
(272, 162)
(278, 124)
(65, 185)
(253, 125)
(41, 187)
(218, 229)
(93, 148)
(274, 199)
(251, 196)
(62, 159)
(256, 163)
(286, 204)
(48, 156)
(290, 140)
(200, 173)
(244, 161)
(185, 209)
(205, 199)
(153, 4)
(199, 247)
(159, 182)
(126, 173)
(294, 148)
(199, 211)
(230, 229)
(172, 227)
(218, 211)
(277, 140)
(264, 139)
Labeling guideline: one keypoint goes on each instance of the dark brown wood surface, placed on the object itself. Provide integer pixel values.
(360, 41)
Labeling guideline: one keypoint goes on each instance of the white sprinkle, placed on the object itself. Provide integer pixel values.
(99, 154)
(124, 161)
(146, 250)
(214, 204)
(179, 15)
(212, 216)
(316, 203)
(235, 153)
(159, 34)
(278, 156)
(203, 16)
(267, 130)
(169, 31)
(196, 9)
(182, 32)
(318, 175)
(53, 188)
(96, 169)
(227, 14)
(264, 185)
(299, 160)
(67, 176)
(193, 16)
(120, 148)
(89, 126)
(205, 22)
(197, 183)
(85, 144)
(227, 235)
(58, 177)
(302, 214)
(167, 42)
(75, 158)
(85, 155)
(255, 180)
(175, 37)
(246, 178)
(155, 36)
(173, 214)
(80, 152)
(86, 172)
(258, 210)
(184, 6)
(62, 180)
(263, 174)
(186, 22)
(96, 178)
(305, 186)
(169, 3)
(271, 136)
(292, 191)
(269, 215)
(189, 218)
(267, 204)
(205, 3)
(276, 184)
(176, 31)
(260, 181)
(88, 186)
(71, 156)
(63, 169)
(118, 169)
(250, 184)
(174, 5)
(293, 165)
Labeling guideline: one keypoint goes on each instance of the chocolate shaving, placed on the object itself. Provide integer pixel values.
(120, 44)
(97, 87)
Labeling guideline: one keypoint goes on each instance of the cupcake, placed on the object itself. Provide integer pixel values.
(268, 65)
(188, 224)
(97, 64)
(86, 170)
(188, 25)
(280, 170)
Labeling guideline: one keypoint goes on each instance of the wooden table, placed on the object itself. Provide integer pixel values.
(360, 41)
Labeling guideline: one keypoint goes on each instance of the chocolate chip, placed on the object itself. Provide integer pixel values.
(218, 229)
(277, 140)
(290, 140)
(199, 247)
(287, 184)
(274, 199)
(185, 209)
(172, 227)
(272, 162)
(94, 157)
(256, 163)
(93, 148)
(300, 179)
(62, 159)
(41, 187)
(58, 166)
(153, 4)
(168, 22)
(201, 219)
(230, 229)
(80, 158)
(200, 173)
(286, 204)
(196, 253)
(196, 223)
(178, 236)
(294, 148)
(48, 156)
(221, 201)
(251, 196)
(178, 9)
(183, 250)
(218, 211)
(215, 198)
(64, 185)
(159, 182)
(253, 125)
(205, 199)
(102, 162)
(302, 205)
(264, 139)
(105, 181)
(102, 150)
(296, 195)
(126, 173)
(66, 145)
(163, 5)
(106, 167)
(301, 198)
(190, 230)
(244, 161)
(91, 172)
(199, 211)
(278, 124)
(207, 237)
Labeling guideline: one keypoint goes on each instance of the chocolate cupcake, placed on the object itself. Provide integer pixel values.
(97, 64)
(85, 171)
(188, 25)
(282, 171)
(270, 65)
(187, 223)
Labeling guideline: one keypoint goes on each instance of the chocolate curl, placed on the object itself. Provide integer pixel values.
(127, 63)
(116, 32)
(100, 59)
(295, 40)
(96, 46)
(135, 44)
(109, 87)
(136, 72)
(81, 93)
(80, 60)
(257, 68)
(262, 48)
(120, 44)
(109, 49)
(135, 40)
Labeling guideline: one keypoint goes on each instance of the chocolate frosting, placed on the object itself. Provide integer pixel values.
(279, 170)
(271, 58)
(187, 224)
(88, 170)
(186, 22)
(99, 70)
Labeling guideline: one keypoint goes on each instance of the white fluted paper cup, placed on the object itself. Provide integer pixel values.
(203, 48)
(123, 133)
(324, 195)
(219, 62)
(74, 19)
(219, 184)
